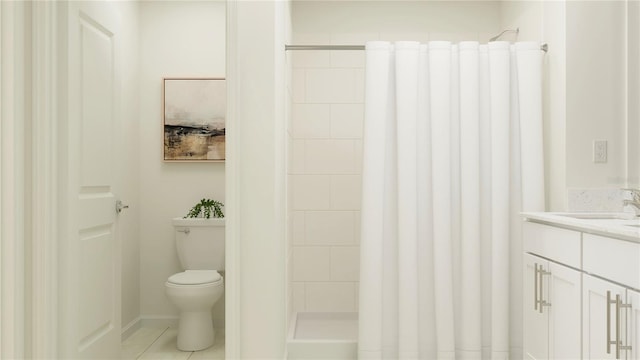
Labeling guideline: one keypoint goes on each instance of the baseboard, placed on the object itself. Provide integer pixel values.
(158, 321)
(130, 328)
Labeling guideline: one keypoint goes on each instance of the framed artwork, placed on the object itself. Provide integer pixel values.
(194, 113)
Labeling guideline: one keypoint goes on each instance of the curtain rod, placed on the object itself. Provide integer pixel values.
(544, 47)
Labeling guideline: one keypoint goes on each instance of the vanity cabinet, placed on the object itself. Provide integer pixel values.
(551, 310)
(633, 324)
(581, 297)
(601, 324)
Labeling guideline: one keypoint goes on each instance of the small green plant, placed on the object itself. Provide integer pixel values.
(205, 208)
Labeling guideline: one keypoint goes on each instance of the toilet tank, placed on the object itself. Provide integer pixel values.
(200, 243)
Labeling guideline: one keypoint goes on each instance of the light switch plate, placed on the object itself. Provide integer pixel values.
(600, 151)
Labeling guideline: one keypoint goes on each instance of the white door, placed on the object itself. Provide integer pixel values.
(536, 322)
(564, 311)
(598, 328)
(89, 257)
(632, 316)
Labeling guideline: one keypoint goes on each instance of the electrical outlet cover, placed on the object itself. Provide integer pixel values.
(600, 151)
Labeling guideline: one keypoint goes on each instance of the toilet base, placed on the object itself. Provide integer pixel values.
(195, 331)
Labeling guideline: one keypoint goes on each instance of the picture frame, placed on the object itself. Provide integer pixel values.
(194, 119)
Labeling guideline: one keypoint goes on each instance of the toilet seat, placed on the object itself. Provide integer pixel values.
(195, 277)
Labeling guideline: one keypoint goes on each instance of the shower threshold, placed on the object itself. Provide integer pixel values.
(323, 335)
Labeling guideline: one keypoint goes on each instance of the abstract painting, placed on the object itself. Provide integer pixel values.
(194, 119)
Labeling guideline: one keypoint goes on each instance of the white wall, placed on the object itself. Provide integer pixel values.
(395, 20)
(596, 92)
(14, 173)
(257, 179)
(633, 97)
(554, 104)
(177, 38)
(129, 221)
(545, 21)
(591, 90)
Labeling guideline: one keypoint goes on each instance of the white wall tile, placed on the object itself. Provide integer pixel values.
(345, 263)
(311, 121)
(290, 191)
(359, 85)
(329, 227)
(311, 192)
(319, 38)
(357, 231)
(297, 157)
(311, 263)
(298, 296)
(330, 86)
(311, 58)
(330, 296)
(289, 153)
(298, 85)
(290, 238)
(357, 289)
(288, 109)
(347, 58)
(346, 121)
(358, 149)
(346, 192)
(330, 157)
(297, 228)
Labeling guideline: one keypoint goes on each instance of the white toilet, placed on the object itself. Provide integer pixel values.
(200, 245)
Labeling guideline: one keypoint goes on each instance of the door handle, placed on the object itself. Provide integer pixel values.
(120, 206)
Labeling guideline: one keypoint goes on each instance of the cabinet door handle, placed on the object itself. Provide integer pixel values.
(619, 307)
(615, 301)
(608, 322)
(535, 287)
(618, 326)
(543, 303)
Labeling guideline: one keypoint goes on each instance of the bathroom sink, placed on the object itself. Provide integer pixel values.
(598, 216)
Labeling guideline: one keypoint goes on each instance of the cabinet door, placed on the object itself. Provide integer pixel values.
(632, 316)
(564, 311)
(598, 328)
(536, 323)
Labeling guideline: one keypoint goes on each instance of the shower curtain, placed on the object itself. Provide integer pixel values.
(453, 152)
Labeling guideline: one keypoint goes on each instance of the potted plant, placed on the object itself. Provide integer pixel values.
(206, 208)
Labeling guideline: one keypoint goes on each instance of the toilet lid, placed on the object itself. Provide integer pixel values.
(195, 277)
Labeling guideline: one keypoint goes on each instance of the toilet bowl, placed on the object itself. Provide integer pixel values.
(200, 249)
(194, 292)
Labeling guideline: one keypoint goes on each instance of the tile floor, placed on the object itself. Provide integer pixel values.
(160, 343)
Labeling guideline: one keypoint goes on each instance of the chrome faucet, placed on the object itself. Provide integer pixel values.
(634, 201)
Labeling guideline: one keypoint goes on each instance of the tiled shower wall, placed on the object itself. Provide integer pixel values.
(326, 89)
(325, 142)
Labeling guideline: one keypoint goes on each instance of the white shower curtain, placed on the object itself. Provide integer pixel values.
(453, 152)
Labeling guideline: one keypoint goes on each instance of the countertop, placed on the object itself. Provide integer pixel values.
(618, 225)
